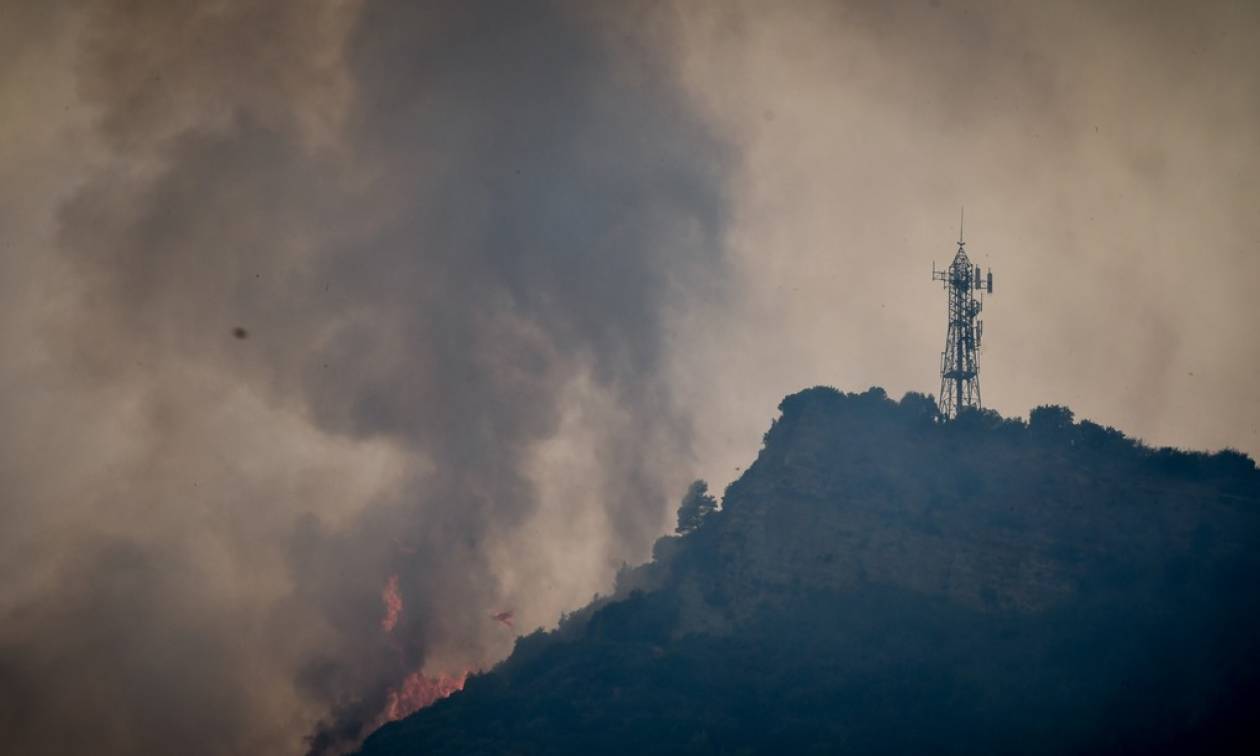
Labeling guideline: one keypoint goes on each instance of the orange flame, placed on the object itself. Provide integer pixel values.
(393, 602)
(418, 691)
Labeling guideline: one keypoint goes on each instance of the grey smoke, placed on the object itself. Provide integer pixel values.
(439, 238)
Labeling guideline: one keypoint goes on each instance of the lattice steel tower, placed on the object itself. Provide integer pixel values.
(960, 365)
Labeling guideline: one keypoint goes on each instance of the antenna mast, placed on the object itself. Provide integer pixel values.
(960, 364)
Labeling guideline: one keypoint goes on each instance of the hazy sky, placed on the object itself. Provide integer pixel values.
(512, 276)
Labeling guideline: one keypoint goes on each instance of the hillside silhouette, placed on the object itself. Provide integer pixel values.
(879, 582)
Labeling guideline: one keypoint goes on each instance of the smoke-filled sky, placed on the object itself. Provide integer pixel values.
(296, 297)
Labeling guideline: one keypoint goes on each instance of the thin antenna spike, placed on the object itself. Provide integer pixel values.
(962, 216)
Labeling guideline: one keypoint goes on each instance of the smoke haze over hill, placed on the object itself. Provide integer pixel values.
(352, 283)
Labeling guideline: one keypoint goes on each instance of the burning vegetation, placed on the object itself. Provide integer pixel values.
(417, 690)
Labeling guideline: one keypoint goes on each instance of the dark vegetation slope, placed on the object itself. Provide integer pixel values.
(878, 582)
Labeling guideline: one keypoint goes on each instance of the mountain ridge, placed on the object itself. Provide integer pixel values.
(878, 581)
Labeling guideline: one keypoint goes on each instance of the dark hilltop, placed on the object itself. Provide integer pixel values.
(879, 582)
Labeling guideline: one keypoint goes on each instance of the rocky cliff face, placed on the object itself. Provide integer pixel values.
(880, 582)
(991, 515)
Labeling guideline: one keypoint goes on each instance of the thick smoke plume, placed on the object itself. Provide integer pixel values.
(344, 287)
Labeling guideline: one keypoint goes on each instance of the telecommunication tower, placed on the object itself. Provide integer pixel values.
(960, 364)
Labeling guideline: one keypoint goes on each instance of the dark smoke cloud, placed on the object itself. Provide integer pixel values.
(443, 226)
